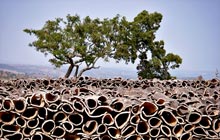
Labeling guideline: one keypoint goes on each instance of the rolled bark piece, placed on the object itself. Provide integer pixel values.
(168, 117)
(33, 123)
(67, 108)
(135, 119)
(154, 132)
(48, 126)
(30, 113)
(148, 109)
(165, 130)
(20, 105)
(102, 129)
(114, 132)
(127, 131)
(42, 113)
(37, 136)
(134, 137)
(78, 106)
(58, 132)
(91, 103)
(60, 116)
(7, 104)
(7, 117)
(182, 110)
(27, 132)
(205, 122)
(37, 100)
(154, 122)
(89, 127)
(10, 128)
(76, 119)
(68, 126)
(72, 137)
(51, 97)
(188, 128)
(194, 117)
(100, 111)
(199, 131)
(142, 128)
(122, 119)
(106, 137)
(14, 136)
(117, 106)
(107, 119)
(216, 125)
(186, 136)
(178, 130)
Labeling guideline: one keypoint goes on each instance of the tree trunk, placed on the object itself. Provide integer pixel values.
(69, 71)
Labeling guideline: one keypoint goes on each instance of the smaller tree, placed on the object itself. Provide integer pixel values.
(74, 42)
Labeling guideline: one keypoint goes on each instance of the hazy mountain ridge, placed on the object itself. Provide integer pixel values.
(102, 72)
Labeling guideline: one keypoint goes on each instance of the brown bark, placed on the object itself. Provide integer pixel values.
(69, 71)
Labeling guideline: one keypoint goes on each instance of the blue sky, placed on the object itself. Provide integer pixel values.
(190, 28)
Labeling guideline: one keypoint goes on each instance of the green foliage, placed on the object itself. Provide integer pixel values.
(74, 41)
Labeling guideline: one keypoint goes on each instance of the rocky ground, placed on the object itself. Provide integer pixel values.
(102, 109)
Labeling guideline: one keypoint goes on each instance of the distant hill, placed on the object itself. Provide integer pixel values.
(102, 72)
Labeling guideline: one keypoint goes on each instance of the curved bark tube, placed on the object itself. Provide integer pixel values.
(14, 136)
(100, 111)
(135, 119)
(91, 103)
(7, 104)
(165, 130)
(58, 132)
(20, 105)
(48, 126)
(89, 127)
(20, 122)
(133, 137)
(107, 119)
(122, 119)
(67, 108)
(76, 119)
(178, 130)
(216, 125)
(114, 133)
(68, 126)
(78, 106)
(27, 132)
(102, 129)
(51, 98)
(60, 116)
(205, 122)
(106, 137)
(154, 122)
(30, 113)
(142, 128)
(186, 136)
(154, 132)
(37, 100)
(33, 123)
(42, 113)
(37, 136)
(188, 128)
(127, 131)
(168, 117)
(194, 117)
(117, 106)
(182, 110)
(148, 109)
(7, 117)
(199, 131)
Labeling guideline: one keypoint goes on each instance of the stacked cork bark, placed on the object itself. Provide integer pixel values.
(105, 109)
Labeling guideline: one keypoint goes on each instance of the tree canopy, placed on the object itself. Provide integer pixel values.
(83, 42)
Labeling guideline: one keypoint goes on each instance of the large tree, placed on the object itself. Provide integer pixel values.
(136, 39)
(77, 42)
